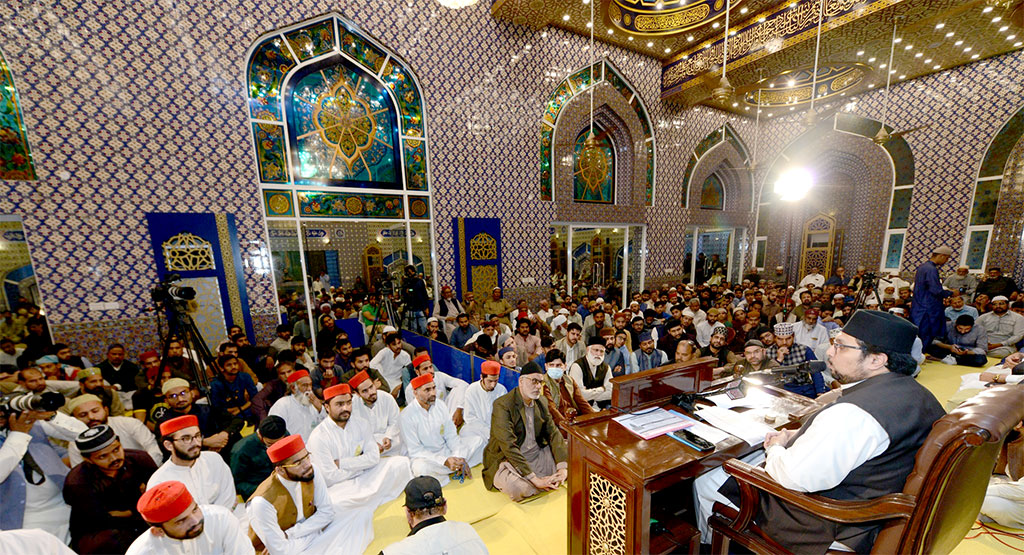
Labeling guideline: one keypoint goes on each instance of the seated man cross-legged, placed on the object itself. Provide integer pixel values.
(480, 398)
(861, 447)
(429, 435)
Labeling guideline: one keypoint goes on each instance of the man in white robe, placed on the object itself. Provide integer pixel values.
(479, 404)
(434, 447)
(89, 410)
(179, 526)
(205, 474)
(450, 389)
(291, 511)
(391, 360)
(346, 454)
(381, 411)
(300, 409)
(809, 331)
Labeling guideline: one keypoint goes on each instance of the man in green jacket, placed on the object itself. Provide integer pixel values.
(520, 463)
(249, 462)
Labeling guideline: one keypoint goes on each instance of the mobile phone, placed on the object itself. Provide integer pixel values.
(693, 440)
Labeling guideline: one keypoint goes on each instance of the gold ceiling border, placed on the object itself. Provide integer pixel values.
(684, 70)
(675, 16)
(830, 86)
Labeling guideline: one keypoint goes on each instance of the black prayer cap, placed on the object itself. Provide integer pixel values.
(965, 320)
(531, 368)
(882, 329)
(597, 340)
(423, 492)
(94, 439)
(273, 427)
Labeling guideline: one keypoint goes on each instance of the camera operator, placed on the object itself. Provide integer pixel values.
(415, 301)
(32, 475)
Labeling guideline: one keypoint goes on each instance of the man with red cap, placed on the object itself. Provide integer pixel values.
(178, 525)
(434, 447)
(300, 409)
(205, 473)
(291, 511)
(450, 389)
(479, 403)
(381, 411)
(346, 454)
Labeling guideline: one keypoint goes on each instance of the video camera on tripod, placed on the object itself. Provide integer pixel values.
(174, 297)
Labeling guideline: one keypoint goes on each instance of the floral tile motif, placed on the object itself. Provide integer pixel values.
(404, 89)
(371, 57)
(415, 164)
(15, 158)
(312, 41)
(270, 152)
(278, 203)
(314, 204)
(270, 62)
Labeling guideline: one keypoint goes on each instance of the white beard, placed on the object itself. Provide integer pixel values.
(302, 398)
(595, 361)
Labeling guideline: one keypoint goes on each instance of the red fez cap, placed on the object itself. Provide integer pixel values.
(285, 447)
(335, 390)
(179, 423)
(491, 368)
(149, 354)
(420, 381)
(359, 378)
(297, 375)
(163, 502)
(420, 360)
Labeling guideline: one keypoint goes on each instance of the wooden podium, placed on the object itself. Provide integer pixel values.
(617, 479)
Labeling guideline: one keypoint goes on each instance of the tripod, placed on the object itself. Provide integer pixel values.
(181, 324)
(867, 288)
(387, 307)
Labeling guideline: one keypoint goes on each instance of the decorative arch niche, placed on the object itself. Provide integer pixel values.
(621, 113)
(720, 149)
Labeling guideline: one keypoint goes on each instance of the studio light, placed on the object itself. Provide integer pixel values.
(794, 184)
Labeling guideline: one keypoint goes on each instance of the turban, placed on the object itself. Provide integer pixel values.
(163, 502)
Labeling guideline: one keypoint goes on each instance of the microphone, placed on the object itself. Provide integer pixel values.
(810, 366)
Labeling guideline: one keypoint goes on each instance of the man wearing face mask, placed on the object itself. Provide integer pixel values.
(300, 409)
(563, 394)
(593, 373)
(180, 525)
(526, 454)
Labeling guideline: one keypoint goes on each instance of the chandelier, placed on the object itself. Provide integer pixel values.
(593, 162)
(456, 4)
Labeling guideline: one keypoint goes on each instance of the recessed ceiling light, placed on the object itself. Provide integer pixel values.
(744, 9)
(996, 19)
(1011, 37)
(771, 85)
(936, 66)
(716, 25)
(949, 34)
(908, 47)
(630, 37)
(974, 57)
(903, 76)
(667, 50)
(544, 35)
(733, 33)
(792, 82)
(892, 71)
(689, 38)
(791, 108)
(871, 85)
(919, 54)
(927, 60)
(565, 17)
(585, 2)
(659, 5)
(898, 40)
(611, 31)
(940, 25)
(686, 56)
(1004, 28)
(881, 66)
(1018, 43)
(649, 44)
(792, 4)
(968, 49)
(987, 9)
(860, 52)
(590, 24)
(527, 47)
(760, 19)
(958, 43)
(871, 60)
(735, 104)
(747, 108)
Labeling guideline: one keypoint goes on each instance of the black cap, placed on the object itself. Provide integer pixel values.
(596, 340)
(273, 427)
(882, 329)
(94, 439)
(423, 492)
(753, 343)
(965, 320)
(531, 368)
(650, 313)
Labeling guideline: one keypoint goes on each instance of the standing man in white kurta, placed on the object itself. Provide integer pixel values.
(346, 454)
(479, 404)
(291, 511)
(391, 360)
(300, 409)
(450, 389)
(429, 435)
(179, 526)
(204, 473)
(381, 411)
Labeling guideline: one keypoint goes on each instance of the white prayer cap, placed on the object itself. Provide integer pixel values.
(783, 329)
(431, 319)
(838, 296)
(998, 298)
(389, 329)
(563, 311)
(599, 300)
(834, 332)
(897, 310)
(634, 303)
(871, 299)
(558, 321)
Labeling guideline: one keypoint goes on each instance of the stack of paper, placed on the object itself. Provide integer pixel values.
(755, 399)
(710, 433)
(740, 425)
(652, 422)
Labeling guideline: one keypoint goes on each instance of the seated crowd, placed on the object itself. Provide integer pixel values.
(140, 458)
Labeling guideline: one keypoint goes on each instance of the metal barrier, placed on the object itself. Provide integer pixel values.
(456, 362)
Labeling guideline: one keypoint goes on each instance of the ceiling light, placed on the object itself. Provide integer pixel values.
(968, 49)
(1018, 43)
(792, 82)
(794, 184)
(744, 9)
(565, 17)
(791, 108)
(974, 57)
(735, 104)
(898, 40)
(716, 25)
(733, 33)
(667, 50)
(927, 60)
(871, 60)
(544, 35)
(760, 19)
(590, 24)
(771, 85)
(611, 31)
(585, 2)
(871, 85)
(919, 54)
(882, 66)
(940, 25)
(689, 38)
(1004, 28)
(996, 19)
(860, 52)
(987, 9)
(792, 4)
(949, 34)
(958, 43)
(747, 108)
(630, 37)
(908, 47)
(936, 66)
(1011, 37)
(649, 44)
(659, 5)
(892, 71)
(527, 47)
(903, 76)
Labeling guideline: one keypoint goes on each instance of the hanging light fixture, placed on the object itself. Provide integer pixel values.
(593, 161)
(723, 92)
(882, 136)
(812, 117)
(457, 4)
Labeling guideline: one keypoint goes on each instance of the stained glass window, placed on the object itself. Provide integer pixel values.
(343, 128)
(593, 177)
(900, 213)
(976, 244)
(986, 197)
(894, 250)
(712, 193)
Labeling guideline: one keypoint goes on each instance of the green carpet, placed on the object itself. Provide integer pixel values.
(540, 526)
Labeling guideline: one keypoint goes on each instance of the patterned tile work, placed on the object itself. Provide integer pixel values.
(141, 107)
(1007, 247)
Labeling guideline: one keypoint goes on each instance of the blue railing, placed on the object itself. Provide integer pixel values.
(456, 362)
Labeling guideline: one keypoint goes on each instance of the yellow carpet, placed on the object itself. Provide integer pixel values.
(540, 526)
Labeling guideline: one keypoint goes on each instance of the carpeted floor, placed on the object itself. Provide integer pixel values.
(540, 525)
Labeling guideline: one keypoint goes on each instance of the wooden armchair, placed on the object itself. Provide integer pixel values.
(939, 502)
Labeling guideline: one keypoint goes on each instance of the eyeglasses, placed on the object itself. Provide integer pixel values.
(534, 381)
(296, 463)
(840, 346)
(189, 439)
(179, 395)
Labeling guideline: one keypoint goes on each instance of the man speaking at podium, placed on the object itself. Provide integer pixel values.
(858, 448)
